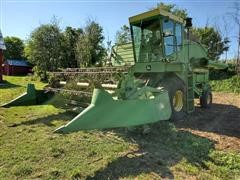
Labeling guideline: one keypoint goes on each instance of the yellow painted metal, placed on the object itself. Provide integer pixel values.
(178, 101)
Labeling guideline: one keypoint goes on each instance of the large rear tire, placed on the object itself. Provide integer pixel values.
(177, 97)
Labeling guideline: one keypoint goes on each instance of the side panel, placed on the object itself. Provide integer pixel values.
(123, 55)
(201, 80)
(159, 67)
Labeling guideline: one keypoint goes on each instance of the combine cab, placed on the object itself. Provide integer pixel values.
(169, 72)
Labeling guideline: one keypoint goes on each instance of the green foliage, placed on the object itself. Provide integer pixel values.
(89, 47)
(230, 160)
(83, 51)
(40, 73)
(71, 36)
(94, 32)
(45, 48)
(22, 170)
(123, 35)
(212, 39)
(49, 49)
(228, 85)
(14, 48)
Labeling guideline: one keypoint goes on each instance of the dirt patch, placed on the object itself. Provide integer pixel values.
(220, 123)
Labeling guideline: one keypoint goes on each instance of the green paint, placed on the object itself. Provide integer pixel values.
(28, 98)
(105, 112)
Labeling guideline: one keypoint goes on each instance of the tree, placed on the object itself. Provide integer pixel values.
(84, 50)
(213, 40)
(45, 48)
(95, 34)
(123, 35)
(89, 48)
(71, 36)
(236, 18)
(223, 29)
(14, 48)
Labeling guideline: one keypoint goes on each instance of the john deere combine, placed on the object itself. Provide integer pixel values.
(170, 71)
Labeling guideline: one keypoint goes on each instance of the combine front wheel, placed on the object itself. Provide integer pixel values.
(206, 99)
(176, 91)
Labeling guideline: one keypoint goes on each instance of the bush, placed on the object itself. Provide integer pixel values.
(228, 85)
(43, 76)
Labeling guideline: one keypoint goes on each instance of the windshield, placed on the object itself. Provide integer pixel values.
(168, 33)
(147, 40)
(172, 33)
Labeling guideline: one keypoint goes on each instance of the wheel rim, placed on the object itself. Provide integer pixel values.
(178, 101)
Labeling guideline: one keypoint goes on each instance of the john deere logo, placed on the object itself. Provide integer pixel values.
(148, 67)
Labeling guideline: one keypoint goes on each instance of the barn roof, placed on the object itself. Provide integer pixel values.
(2, 44)
(16, 62)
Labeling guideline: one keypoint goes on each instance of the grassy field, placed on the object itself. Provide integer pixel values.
(14, 86)
(30, 149)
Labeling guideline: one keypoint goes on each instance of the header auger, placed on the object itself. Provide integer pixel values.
(169, 72)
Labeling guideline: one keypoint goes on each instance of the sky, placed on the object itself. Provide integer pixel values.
(20, 17)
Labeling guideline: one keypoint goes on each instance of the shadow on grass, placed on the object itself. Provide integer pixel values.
(8, 85)
(64, 116)
(220, 118)
(158, 151)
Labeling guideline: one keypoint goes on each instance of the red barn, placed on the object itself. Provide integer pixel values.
(13, 67)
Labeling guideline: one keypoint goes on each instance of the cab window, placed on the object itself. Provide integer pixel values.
(178, 34)
(147, 40)
(168, 34)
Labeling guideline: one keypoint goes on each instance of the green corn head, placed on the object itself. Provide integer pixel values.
(28, 98)
(105, 112)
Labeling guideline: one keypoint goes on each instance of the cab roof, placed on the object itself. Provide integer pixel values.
(153, 13)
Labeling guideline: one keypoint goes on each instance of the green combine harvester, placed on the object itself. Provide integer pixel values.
(169, 72)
